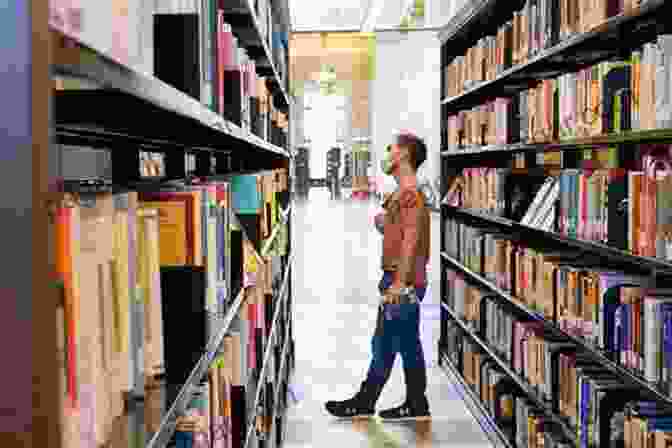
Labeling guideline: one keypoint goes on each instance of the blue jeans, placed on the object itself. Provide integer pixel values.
(398, 331)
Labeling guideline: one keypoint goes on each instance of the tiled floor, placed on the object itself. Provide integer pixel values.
(336, 270)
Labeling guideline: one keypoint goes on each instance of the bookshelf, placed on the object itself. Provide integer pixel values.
(476, 407)
(170, 190)
(521, 383)
(554, 287)
(585, 49)
(610, 256)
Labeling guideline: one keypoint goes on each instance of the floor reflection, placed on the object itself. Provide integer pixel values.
(336, 270)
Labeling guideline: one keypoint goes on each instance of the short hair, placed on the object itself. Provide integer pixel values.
(416, 147)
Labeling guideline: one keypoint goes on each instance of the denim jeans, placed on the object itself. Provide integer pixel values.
(398, 331)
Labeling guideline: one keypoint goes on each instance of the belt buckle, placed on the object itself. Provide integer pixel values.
(408, 300)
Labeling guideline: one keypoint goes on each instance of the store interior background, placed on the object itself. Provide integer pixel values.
(362, 70)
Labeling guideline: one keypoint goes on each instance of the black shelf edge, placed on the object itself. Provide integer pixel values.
(169, 422)
(521, 383)
(475, 406)
(616, 25)
(269, 54)
(624, 373)
(628, 261)
(637, 136)
(463, 19)
(281, 372)
(489, 149)
(282, 297)
(112, 76)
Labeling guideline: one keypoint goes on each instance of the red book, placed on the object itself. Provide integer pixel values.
(64, 267)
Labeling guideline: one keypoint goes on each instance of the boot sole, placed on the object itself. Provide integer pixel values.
(407, 419)
(355, 417)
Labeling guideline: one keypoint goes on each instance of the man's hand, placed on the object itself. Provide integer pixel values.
(392, 294)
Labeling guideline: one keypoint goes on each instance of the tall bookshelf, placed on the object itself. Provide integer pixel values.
(127, 110)
(555, 261)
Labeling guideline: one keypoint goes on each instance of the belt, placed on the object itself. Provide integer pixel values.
(399, 300)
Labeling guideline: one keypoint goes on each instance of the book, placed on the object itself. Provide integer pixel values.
(149, 279)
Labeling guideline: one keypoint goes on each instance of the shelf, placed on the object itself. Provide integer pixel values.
(520, 382)
(476, 407)
(645, 136)
(153, 111)
(629, 377)
(245, 25)
(281, 372)
(472, 22)
(169, 421)
(608, 255)
(267, 355)
(614, 37)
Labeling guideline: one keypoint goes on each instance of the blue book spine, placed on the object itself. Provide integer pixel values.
(627, 333)
(246, 198)
(618, 331)
(666, 352)
(609, 321)
(584, 405)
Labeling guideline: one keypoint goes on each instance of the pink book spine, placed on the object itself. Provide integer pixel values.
(246, 78)
(515, 360)
(218, 432)
(253, 79)
(226, 50)
(584, 206)
(87, 402)
(221, 56)
(120, 31)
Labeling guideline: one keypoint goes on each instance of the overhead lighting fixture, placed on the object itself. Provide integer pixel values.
(371, 16)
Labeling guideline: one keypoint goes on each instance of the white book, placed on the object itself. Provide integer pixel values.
(536, 202)
(548, 209)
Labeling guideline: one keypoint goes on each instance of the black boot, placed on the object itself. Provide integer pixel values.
(361, 405)
(415, 409)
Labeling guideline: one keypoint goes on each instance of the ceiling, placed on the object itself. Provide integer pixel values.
(309, 15)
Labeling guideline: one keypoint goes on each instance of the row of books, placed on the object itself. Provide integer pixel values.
(228, 83)
(594, 403)
(187, 44)
(165, 245)
(588, 207)
(609, 97)
(538, 25)
(221, 411)
(609, 310)
(521, 421)
(626, 209)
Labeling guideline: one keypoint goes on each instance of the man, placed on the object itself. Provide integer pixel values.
(406, 226)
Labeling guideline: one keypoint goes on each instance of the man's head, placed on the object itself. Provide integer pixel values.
(408, 150)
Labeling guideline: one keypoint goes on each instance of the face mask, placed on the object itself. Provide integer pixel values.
(386, 163)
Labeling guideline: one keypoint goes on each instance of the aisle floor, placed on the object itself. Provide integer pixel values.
(336, 270)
